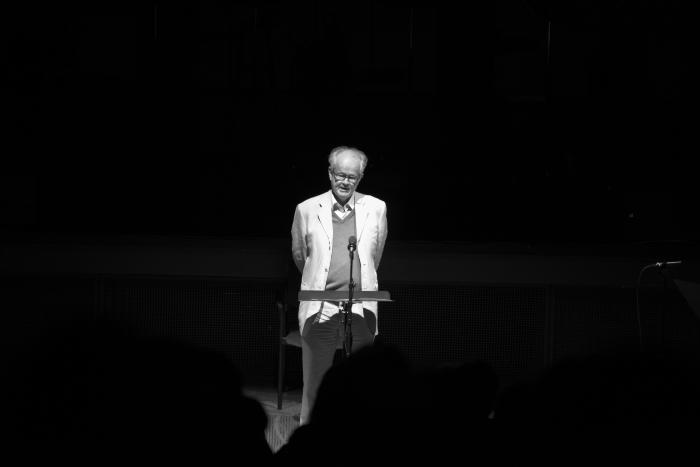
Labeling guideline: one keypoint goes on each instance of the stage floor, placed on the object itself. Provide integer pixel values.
(280, 423)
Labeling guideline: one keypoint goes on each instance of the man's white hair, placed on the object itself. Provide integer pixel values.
(361, 155)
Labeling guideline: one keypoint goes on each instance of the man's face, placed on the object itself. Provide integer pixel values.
(345, 175)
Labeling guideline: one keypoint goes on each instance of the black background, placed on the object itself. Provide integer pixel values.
(500, 121)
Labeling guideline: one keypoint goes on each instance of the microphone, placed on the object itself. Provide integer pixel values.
(352, 243)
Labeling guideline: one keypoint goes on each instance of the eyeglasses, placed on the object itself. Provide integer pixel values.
(339, 177)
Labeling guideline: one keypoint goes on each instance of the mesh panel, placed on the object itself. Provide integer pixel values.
(590, 320)
(598, 320)
(507, 326)
(236, 318)
(504, 326)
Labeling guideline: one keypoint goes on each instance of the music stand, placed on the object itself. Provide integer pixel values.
(686, 278)
(342, 296)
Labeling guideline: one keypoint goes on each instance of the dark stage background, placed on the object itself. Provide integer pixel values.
(508, 125)
(569, 125)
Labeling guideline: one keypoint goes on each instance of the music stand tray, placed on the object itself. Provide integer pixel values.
(342, 296)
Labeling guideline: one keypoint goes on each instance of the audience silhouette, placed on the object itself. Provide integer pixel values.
(375, 406)
(94, 388)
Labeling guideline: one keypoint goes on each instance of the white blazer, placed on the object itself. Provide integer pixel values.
(312, 244)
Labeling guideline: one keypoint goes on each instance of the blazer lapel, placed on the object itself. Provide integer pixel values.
(325, 216)
(361, 214)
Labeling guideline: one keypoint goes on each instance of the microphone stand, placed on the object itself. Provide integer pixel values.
(347, 322)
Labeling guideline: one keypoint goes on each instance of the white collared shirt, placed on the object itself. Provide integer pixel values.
(342, 211)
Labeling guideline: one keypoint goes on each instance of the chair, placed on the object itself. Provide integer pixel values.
(288, 336)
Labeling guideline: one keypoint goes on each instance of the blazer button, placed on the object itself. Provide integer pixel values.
(326, 269)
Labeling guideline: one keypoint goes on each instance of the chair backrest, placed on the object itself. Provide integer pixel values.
(288, 306)
(287, 302)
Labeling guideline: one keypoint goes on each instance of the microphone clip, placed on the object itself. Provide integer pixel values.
(352, 244)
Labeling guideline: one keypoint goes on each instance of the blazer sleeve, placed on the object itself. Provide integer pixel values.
(382, 232)
(299, 250)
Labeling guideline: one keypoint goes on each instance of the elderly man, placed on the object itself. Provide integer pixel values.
(321, 230)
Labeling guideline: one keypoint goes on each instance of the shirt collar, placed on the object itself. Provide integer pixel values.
(348, 206)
